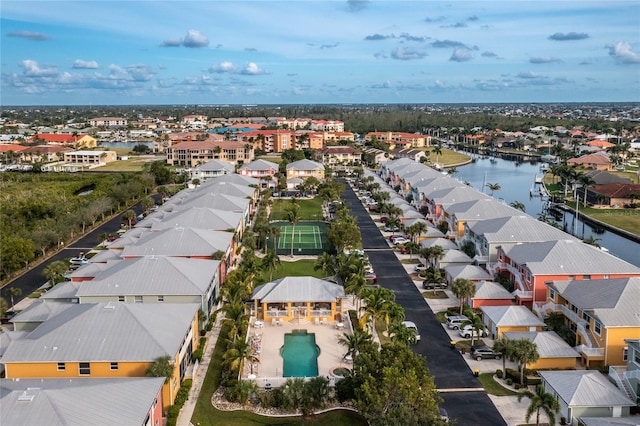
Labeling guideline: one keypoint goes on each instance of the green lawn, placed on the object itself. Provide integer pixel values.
(310, 209)
(298, 268)
(438, 294)
(492, 387)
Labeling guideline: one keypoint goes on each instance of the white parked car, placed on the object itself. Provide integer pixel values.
(420, 267)
(400, 241)
(79, 260)
(412, 326)
(467, 331)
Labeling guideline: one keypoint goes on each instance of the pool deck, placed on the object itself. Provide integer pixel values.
(271, 337)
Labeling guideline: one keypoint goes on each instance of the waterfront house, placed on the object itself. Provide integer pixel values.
(615, 195)
(585, 393)
(123, 401)
(487, 235)
(511, 318)
(457, 214)
(298, 298)
(598, 161)
(111, 340)
(531, 265)
(602, 313)
(554, 352)
(439, 200)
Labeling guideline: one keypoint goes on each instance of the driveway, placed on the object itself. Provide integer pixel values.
(465, 399)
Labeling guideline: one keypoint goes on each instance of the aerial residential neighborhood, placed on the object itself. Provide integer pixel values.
(201, 270)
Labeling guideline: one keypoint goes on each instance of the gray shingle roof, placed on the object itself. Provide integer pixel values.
(74, 402)
(298, 289)
(512, 315)
(549, 344)
(571, 257)
(585, 388)
(106, 332)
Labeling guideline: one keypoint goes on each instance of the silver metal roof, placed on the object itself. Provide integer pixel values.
(585, 388)
(259, 164)
(516, 229)
(470, 272)
(491, 290)
(305, 165)
(512, 315)
(549, 344)
(77, 402)
(298, 289)
(106, 332)
(180, 242)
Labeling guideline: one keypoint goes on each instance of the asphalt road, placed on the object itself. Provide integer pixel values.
(33, 279)
(465, 399)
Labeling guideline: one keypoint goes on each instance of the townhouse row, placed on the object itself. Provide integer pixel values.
(144, 296)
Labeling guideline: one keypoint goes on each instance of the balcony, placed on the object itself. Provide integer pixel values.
(582, 327)
(523, 295)
(591, 353)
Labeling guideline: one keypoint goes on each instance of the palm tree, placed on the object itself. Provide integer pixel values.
(437, 150)
(271, 262)
(433, 254)
(504, 347)
(355, 342)
(377, 301)
(463, 288)
(326, 263)
(402, 334)
(586, 181)
(13, 292)
(129, 216)
(356, 285)
(239, 351)
(493, 187)
(525, 352)
(161, 367)
(55, 270)
(518, 205)
(274, 233)
(541, 400)
(476, 324)
(293, 216)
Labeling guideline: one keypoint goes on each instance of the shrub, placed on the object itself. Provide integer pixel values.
(512, 374)
(509, 382)
(197, 354)
(499, 374)
(517, 386)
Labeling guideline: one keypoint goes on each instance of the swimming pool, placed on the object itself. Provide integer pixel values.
(300, 354)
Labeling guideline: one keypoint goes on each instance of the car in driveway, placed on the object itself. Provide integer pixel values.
(400, 241)
(77, 261)
(412, 326)
(455, 321)
(420, 267)
(467, 331)
(391, 228)
(433, 286)
(484, 352)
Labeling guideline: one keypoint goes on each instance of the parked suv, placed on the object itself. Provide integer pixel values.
(412, 326)
(455, 321)
(484, 351)
(467, 331)
(433, 286)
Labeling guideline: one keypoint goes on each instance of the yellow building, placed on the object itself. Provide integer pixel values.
(305, 168)
(602, 314)
(107, 340)
(510, 318)
(296, 298)
(554, 352)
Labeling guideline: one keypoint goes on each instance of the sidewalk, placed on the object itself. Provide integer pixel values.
(184, 418)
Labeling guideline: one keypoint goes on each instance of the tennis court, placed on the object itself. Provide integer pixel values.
(306, 238)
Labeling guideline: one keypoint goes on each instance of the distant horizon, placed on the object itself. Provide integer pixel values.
(325, 52)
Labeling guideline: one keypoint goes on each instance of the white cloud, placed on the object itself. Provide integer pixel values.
(195, 38)
(29, 35)
(623, 53)
(407, 54)
(461, 55)
(253, 69)
(223, 67)
(32, 69)
(80, 64)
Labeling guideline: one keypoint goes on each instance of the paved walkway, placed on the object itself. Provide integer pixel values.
(184, 418)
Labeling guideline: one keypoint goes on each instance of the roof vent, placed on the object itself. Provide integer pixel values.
(26, 397)
(109, 306)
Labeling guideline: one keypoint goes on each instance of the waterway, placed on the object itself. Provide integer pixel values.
(517, 179)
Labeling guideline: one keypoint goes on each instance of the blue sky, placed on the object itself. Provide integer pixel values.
(312, 52)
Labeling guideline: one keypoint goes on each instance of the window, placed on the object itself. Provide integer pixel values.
(84, 368)
(572, 277)
(61, 366)
(597, 327)
(552, 294)
(137, 299)
(114, 366)
(625, 353)
(160, 298)
(586, 277)
(636, 356)
(121, 299)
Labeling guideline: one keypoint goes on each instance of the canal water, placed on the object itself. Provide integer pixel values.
(517, 180)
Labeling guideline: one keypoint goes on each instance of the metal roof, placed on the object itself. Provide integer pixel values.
(180, 242)
(260, 164)
(78, 402)
(512, 315)
(305, 165)
(491, 290)
(197, 217)
(215, 165)
(298, 289)
(153, 276)
(109, 332)
(549, 344)
(614, 302)
(522, 228)
(567, 257)
(470, 272)
(585, 388)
